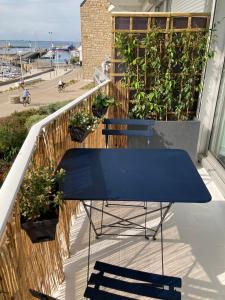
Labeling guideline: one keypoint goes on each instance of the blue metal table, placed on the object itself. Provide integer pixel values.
(150, 175)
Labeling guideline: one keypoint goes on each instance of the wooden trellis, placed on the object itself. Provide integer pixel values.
(143, 23)
(168, 26)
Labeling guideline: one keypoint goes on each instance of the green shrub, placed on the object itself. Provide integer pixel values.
(74, 60)
(72, 81)
(51, 108)
(13, 129)
(12, 135)
(23, 115)
(88, 86)
(33, 120)
(4, 167)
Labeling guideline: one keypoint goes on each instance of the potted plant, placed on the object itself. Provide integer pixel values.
(101, 103)
(81, 124)
(40, 200)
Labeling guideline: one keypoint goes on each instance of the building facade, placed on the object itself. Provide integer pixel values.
(96, 34)
(96, 38)
(96, 28)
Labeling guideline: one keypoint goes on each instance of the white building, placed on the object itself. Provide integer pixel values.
(162, 5)
(80, 54)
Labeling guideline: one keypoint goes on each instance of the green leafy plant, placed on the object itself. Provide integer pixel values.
(74, 60)
(12, 135)
(84, 121)
(163, 71)
(39, 195)
(102, 100)
(33, 120)
(88, 86)
(50, 108)
(4, 167)
(143, 105)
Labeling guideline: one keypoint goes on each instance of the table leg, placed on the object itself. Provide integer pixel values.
(89, 217)
(146, 212)
(162, 219)
(162, 249)
(121, 220)
(89, 242)
(103, 203)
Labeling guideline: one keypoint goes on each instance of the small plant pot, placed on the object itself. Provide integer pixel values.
(99, 111)
(41, 231)
(78, 134)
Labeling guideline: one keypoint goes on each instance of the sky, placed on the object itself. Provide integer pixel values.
(34, 19)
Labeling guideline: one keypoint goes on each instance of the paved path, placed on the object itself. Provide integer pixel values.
(43, 93)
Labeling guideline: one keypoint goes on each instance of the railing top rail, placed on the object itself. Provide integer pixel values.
(12, 183)
(159, 14)
(138, 122)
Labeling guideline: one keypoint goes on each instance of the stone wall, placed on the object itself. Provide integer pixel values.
(96, 31)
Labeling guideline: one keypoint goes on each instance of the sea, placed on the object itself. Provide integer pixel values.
(14, 46)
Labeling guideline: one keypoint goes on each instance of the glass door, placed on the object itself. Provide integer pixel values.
(217, 145)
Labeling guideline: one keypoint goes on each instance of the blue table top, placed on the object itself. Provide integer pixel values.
(154, 175)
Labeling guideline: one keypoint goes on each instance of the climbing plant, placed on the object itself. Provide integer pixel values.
(163, 72)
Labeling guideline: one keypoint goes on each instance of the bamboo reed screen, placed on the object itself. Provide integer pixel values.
(24, 265)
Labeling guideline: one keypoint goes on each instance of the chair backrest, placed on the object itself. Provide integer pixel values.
(145, 284)
(143, 128)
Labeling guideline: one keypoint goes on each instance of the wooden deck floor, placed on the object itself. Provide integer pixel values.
(194, 248)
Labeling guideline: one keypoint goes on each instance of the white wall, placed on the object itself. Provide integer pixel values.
(181, 5)
(148, 5)
(212, 80)
(188, 5)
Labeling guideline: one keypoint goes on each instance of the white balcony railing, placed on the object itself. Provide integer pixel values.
(11, 185)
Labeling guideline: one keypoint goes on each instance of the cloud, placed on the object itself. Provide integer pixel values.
(39, 17)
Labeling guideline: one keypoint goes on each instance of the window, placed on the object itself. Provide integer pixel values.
(164, 6)
(160, 7)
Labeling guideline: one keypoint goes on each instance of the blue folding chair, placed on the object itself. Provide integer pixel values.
(134, 127)
(145, 284)
(143, 128)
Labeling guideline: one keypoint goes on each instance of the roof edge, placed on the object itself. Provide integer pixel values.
(83, 2)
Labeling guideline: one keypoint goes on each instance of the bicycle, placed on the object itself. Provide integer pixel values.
(26, 100)
(61, 88)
